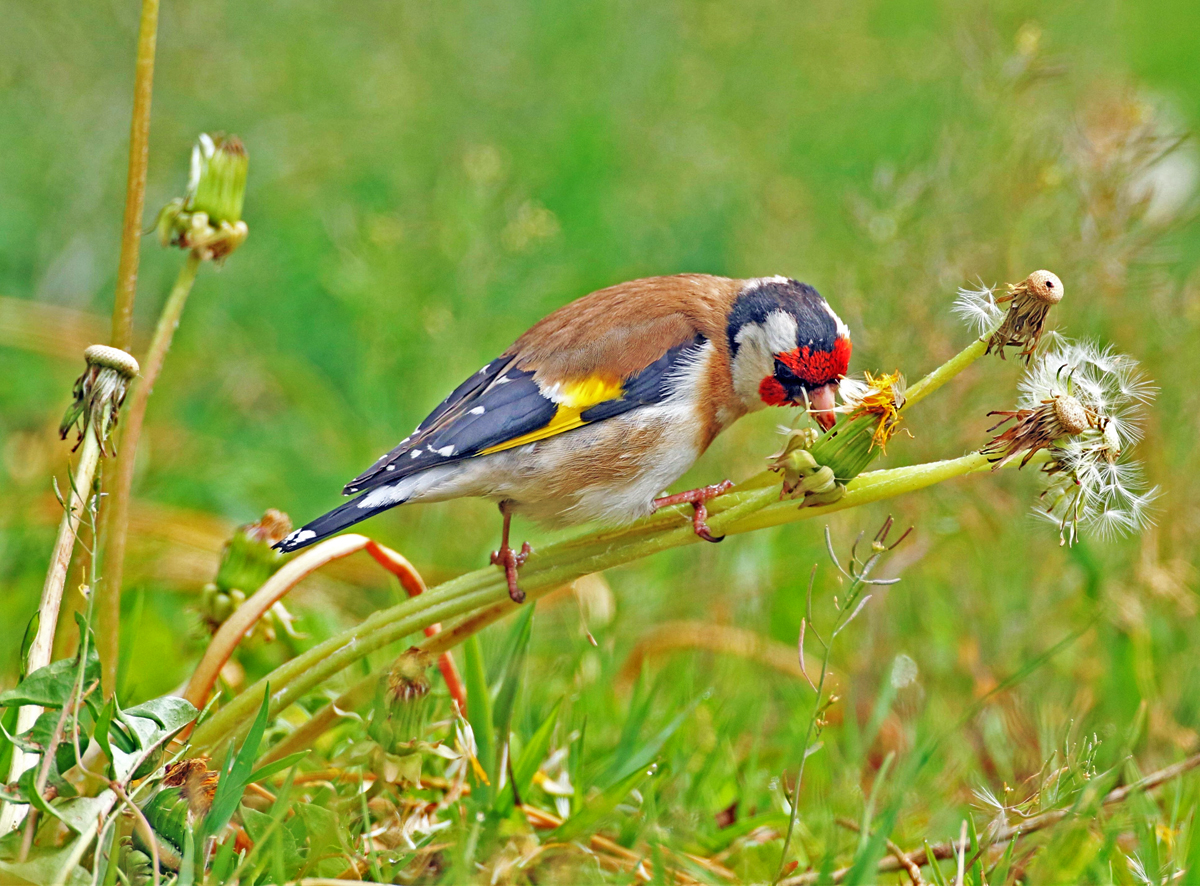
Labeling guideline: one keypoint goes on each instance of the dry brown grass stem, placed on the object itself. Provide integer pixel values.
(50, 330)
(951, 849)
(630, 860)
(913, 869)
(678, 636)
(239, 624)
(135, 185)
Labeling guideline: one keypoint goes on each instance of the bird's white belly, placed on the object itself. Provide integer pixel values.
(608, 472)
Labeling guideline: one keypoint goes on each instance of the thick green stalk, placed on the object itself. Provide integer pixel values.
(849, 447)
(109, 612)
(482, 596)
(945, 372)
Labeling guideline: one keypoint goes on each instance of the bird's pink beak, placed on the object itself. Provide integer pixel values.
(821, 402)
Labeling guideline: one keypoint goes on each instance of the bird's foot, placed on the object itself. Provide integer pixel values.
(511, 561)
(697, 498)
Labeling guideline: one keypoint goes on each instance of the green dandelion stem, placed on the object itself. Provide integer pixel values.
(952, 367)
(472, 601)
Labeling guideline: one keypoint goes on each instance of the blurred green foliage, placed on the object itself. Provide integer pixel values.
(427, 180)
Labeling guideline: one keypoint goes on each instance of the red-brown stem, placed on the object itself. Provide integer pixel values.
(413, 585)
(135, 185)
(230, 634)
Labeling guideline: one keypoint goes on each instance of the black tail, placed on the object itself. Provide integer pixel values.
(328, 524)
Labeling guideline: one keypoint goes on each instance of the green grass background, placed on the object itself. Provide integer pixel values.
(427, 180)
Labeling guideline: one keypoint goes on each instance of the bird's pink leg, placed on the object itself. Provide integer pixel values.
(510, 559)
(697, 499)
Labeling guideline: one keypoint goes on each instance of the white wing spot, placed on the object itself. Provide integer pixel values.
(416, 453)
(300, 536)
(445, 451)
(478, 410)
(503, 380)
(391, 467)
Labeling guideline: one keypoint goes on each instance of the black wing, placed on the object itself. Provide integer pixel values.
(501, 407)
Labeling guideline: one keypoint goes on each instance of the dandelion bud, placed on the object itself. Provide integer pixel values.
(217, 183)
(208, 220)
(99, 393)
(184, 799)
(803, 477)
(247, 561)
(402, 706)
(1030, 301)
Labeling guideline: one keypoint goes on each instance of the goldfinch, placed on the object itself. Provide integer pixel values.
(607, 402)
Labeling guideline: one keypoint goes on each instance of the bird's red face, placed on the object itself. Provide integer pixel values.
(808, 377)
(788, 348)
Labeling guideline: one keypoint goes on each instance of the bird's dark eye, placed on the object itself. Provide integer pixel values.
(783, 372)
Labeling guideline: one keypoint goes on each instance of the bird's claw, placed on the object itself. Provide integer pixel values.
(511, 561)
(697, 498)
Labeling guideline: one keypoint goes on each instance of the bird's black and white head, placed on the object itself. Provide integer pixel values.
(787, 347)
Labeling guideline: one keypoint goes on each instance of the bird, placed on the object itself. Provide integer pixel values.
(606, 402)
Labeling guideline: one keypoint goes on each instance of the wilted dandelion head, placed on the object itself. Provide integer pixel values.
(1028, 304)
(1093, 482)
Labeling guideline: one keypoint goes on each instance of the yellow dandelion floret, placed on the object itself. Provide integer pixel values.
(884, 397)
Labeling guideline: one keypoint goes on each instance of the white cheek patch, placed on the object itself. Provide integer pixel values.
(758, 343)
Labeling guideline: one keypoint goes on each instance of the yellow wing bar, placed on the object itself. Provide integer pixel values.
(573, 398)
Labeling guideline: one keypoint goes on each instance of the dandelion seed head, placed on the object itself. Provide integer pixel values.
(1092, 482)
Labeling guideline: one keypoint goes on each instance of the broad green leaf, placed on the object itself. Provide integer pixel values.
(588, 818)
(52, 685)
(27, 784)
(325, 854)
(170, 713)
(45, 865)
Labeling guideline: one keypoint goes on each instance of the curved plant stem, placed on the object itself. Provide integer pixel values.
(135, 185)
(944, 373)
(52, 593)
(109, 618)
(242, 621)
(481, 597)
